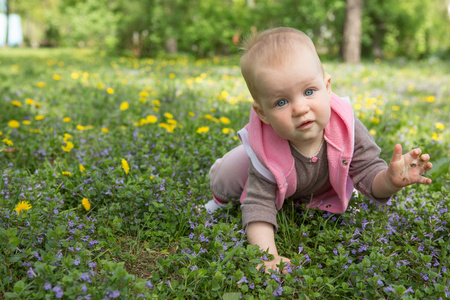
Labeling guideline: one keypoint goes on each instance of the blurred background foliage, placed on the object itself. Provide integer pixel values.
(413, 29)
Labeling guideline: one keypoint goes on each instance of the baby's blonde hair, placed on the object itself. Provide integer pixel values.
(271, 47)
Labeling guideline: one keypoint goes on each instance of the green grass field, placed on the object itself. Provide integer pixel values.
(103, 160)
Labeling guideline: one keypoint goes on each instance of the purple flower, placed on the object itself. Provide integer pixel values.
(389, 289)
(243, 280)
(59, 292)
(251, 286)
(84, 288)
(47, 286)
(31, 273)
(115, 294)
(84, 276)
(92, 265)
(76, 262)
(149, 284)
(278, 291)
(410, 290)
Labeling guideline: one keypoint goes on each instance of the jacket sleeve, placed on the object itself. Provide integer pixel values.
(366, 162)
(259, 205)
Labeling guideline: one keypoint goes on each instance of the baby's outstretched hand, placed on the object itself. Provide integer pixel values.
(409, 168)
(274, 264)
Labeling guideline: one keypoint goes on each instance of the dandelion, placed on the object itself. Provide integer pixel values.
(67, 173)
(430, 99)
(168, 115)
(16, 103)
(69, 146)
(13, 124)
(191, 114)
(56, 77)
(125, 166)
(105, 130)
(143, 94)
(81, 127)
(23, 205)
(67, 120)
(110, 91)
(395, 108)
(203, 129)
(41, 84)
(152, 119)
(225, 120)
(8, 142)
(39, 117)
(26, 122)
(372, 132)
(156, 103)
(124, 106)
(440, 126)
(171, 75)
(86, 204)
(226, 130)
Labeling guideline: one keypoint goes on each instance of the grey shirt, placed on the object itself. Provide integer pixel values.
(313, 178)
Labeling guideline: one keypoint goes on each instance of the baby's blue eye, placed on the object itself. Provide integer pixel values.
(282, 102)
(309, 92)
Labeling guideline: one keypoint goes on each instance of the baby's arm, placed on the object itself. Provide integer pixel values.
(262, 234)
(403, 170)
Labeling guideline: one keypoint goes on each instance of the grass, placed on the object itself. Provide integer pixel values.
(136, 138)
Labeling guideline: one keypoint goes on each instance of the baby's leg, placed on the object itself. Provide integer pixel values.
(228, 176)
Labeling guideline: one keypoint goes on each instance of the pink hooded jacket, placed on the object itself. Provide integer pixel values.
(271, 156)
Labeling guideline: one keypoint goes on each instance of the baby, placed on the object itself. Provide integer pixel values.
(302, 142)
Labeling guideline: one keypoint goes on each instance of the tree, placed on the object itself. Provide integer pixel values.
(351, 43)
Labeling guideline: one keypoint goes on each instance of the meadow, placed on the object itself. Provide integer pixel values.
(103, 161)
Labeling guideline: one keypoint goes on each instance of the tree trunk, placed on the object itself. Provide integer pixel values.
(7, 23)
(351, 46)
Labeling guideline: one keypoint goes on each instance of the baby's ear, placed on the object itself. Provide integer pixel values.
(327, 79)
(260, 112)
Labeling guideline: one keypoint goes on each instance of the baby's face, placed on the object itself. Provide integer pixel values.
(294, 98)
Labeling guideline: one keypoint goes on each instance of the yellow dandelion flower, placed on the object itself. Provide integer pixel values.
(430, 99)
(191, 114)
(155, 109)
(39, 118)
(169, 128)
(395, 108)
(56, 77)
(29, 101)
(23, 205)
(100, 86)
(440, 126)
(142, 100)
(26, 122)
(69, 146)
(67, 120)
(125, 166)
(203, 129)
(105, 130)
(357, 106)
(171, 75)
(8, 142)
(226, 130)
(375, 120)
(41, 84)
(225, 120)
(13, 124)
(67, 136)
(168, 115)
(110, 91)
(82, 168)
(75, 75)
(1, 133)
(16, 103)
(143, 94)
(152, 119)
(124, 106)
(224, 94)
(436, 137)
(172, 121)
(86, 204)
(372, 131)
(406, 103)
(67, 173)
(156, 103)
(81, 127)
